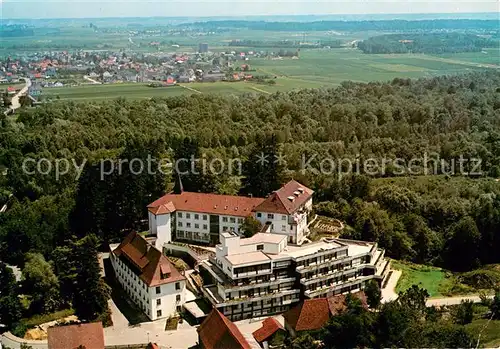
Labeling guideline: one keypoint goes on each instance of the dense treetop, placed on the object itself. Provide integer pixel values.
(442, 118)
(426, 43)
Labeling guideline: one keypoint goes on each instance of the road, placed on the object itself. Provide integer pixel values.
(389, 291)
(88, 78)
(453, 300)
(15, 100)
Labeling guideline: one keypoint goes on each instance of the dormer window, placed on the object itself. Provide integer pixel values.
(260, 247)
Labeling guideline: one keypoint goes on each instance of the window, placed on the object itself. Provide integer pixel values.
(224, 219)
(188, 215)
(232, 220)
(240, 220)
(196, 216)
(205, 227)
(188, 225)
(179, 214)
(178, 298)
(283, 228)
(158, 301)
(158, 313)
(260, 247)
(196, 225)
(283, 218)
(177, 285)
(224, 228)
(205, 217)
(158, 290)
(179, 224)
(259, 214)
(270, 216)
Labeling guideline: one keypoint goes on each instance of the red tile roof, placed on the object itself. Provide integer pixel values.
(279, 201)
(269, 327)
(162, 209)
(149, 263)
(311, 314)
(218, 332)
(240, 206)
(90, 336)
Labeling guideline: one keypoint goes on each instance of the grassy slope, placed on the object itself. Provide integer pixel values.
(490, 335)
(434, 280)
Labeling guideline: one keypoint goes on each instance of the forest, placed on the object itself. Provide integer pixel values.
(445, 218)
(284, 43)
(429, 43)
(380, 25)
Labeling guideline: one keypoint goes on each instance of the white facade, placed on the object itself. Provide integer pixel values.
(161, 226)
(192, 226)
(264, 275)
(156, 302)
(293, 225)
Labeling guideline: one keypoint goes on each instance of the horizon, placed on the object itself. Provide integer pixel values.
(92, 9)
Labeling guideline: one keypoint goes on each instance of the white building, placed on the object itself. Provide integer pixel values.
(197, 217)
(148, 277)
(200, 217)
(264, 275)
(285, 210)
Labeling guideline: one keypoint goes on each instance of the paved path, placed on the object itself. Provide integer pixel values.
(15, 100)
(88, 78)
(453, 300)
(389, 291)
(189, 88)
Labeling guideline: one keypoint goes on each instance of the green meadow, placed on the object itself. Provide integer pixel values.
(315, 68)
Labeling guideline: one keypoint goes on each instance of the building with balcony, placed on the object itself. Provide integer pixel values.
(263, 275)
(148, 277)
(201, 217)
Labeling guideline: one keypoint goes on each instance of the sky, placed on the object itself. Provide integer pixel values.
(11, 9)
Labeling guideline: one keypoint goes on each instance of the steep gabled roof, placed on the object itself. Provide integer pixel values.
(269, 327)
(311, 314)
(287, 199)
(162, 209)
(230, 205)
(218, 332)
(89, 335)
(148, 263)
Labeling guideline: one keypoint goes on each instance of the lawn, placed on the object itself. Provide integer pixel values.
(316, 68)
(490, 335)
(434, 280)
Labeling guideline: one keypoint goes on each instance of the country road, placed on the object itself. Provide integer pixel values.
(453, 300)
(88, 78)
(15, 100)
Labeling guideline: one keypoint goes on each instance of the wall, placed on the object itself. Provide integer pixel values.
(164, 230)
(11, 341)
(167, 296)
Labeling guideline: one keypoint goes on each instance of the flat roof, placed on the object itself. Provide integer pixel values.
(262, 238)
(315, 247)
(194, 309)
(245, 258)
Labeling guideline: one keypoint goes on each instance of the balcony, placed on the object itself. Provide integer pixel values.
(331, 275)
(257, 298)
(251, 273)
(253, 284)
(337, 286)
(329, 263)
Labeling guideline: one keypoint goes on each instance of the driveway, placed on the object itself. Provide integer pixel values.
(389, 291)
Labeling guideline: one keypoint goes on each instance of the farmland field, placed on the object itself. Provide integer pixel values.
(316, 68)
